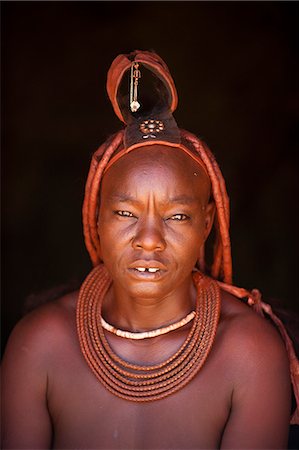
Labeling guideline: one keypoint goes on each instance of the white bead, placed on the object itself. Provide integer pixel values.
(135, 106)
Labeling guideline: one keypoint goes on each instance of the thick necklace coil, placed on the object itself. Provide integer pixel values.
(153, 382)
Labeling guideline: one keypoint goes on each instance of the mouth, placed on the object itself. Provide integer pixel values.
(145, 269)
(151, 270)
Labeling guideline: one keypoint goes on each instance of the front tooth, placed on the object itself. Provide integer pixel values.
(141, 269)
(152, 269)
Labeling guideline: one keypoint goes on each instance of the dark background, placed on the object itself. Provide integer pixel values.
(236, 70)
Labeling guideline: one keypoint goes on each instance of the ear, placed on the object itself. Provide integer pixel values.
(209, 218)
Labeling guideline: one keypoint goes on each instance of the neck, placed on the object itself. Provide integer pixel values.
(138, 314)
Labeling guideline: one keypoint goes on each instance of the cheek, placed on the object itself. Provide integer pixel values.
(197, 237)
(109, 245)
(105, 232)
(189, 241)
(114, 237)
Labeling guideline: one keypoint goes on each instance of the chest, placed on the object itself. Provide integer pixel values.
(86, 415)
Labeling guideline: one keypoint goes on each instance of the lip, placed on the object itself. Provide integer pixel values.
(148, 264)
(147, 276)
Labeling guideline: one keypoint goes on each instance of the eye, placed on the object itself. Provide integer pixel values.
(123, 213)
(179, 217)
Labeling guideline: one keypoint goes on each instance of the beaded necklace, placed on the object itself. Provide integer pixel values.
(147, 334)
(142, 383)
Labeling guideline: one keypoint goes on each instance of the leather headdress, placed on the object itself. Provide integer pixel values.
(156, 99)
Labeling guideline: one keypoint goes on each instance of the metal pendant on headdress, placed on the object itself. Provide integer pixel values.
(143, 95)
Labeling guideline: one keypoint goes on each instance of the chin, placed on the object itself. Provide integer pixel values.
(146, 290)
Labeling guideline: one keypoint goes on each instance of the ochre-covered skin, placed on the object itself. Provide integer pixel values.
(153, 207)
(53, 399)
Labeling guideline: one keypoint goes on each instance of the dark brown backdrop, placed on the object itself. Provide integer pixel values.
(236, 70)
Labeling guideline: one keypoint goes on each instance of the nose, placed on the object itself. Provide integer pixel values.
(149, 236)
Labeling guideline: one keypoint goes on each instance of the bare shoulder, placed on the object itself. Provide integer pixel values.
(44, 329)
(251, 340)
(255, 364)
(51, 314)
(36, 349)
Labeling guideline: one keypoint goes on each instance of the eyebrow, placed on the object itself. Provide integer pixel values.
(123, 198)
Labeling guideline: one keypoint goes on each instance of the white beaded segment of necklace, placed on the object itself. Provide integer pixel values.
(148, 334)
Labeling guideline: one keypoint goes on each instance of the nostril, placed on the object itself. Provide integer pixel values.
(149, 240)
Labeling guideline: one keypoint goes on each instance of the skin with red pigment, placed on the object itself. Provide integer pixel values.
(154, 207)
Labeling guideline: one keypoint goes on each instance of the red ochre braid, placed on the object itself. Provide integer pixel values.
(222, 264)
(90, 205)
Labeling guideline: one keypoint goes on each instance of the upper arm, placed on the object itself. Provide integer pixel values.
(25, 419)
(260, 408)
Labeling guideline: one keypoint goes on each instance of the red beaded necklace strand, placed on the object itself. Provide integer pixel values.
(139, 383)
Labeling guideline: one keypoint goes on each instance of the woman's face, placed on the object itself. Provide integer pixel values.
(154, 217)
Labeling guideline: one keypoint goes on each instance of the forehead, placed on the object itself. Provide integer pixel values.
(154, 167)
